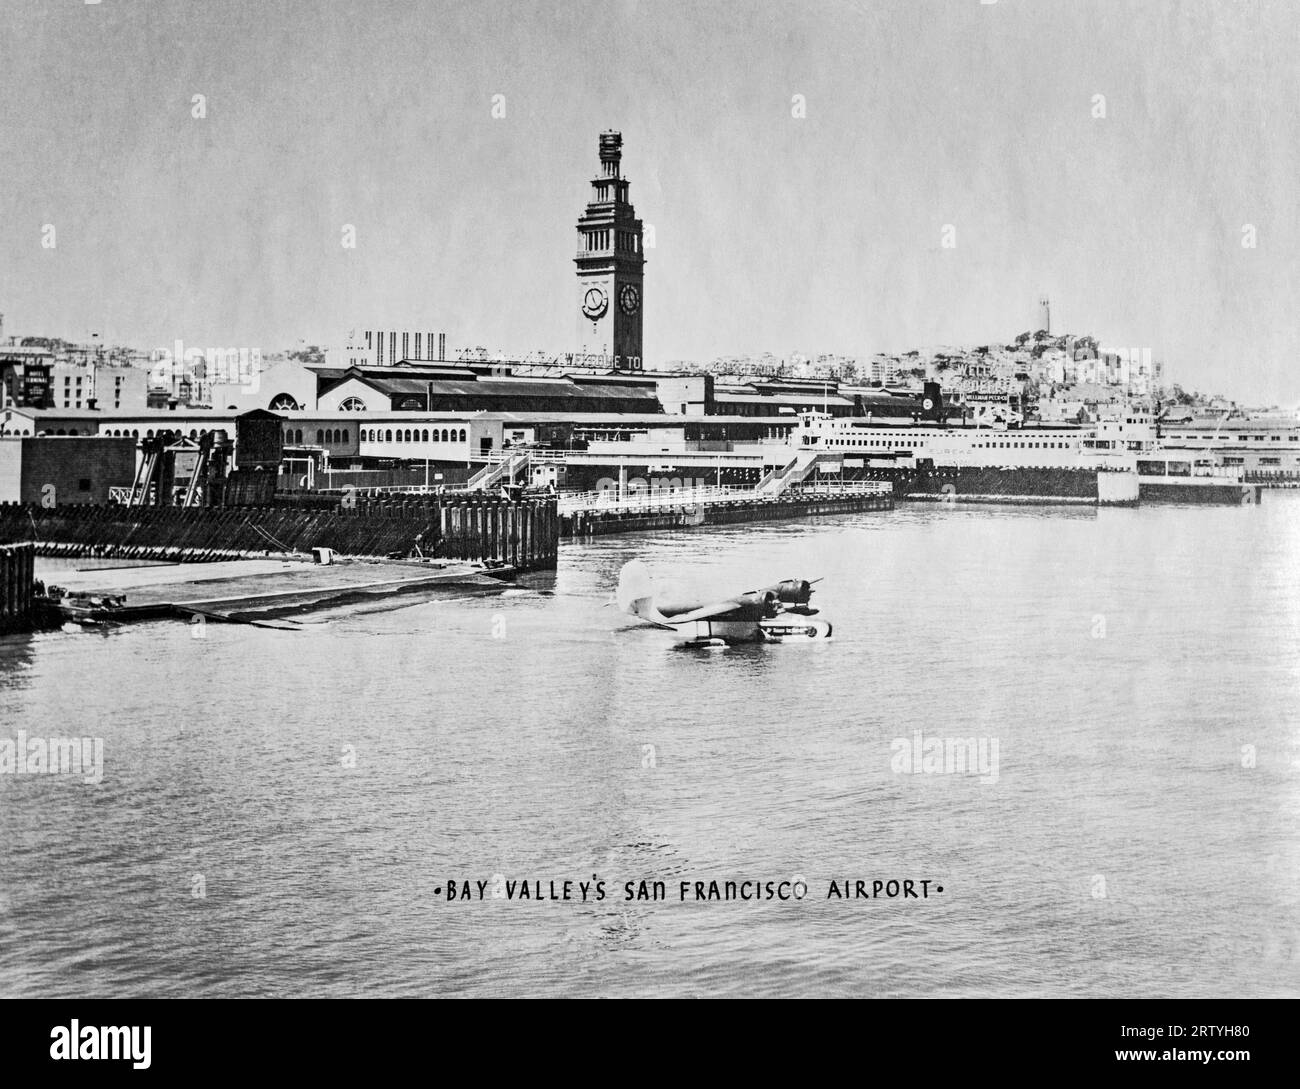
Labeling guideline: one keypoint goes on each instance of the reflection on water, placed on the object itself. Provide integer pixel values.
(321, 788)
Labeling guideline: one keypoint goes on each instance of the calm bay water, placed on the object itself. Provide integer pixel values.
(325, 786)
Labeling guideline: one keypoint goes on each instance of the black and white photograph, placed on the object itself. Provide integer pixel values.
(649, 499)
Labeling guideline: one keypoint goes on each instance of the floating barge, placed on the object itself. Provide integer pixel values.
(262, 591)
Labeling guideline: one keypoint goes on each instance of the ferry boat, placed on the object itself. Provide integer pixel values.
(1002, 458)
(998, 459)
(1166, 475)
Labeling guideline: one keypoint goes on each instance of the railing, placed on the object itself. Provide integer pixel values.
(796, 470)
(571, 502)
(142, 496)
(396, 489)
(496, 457)
(504, 470)
(841, 487)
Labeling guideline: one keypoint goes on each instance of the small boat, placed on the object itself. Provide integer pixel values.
(75, 607)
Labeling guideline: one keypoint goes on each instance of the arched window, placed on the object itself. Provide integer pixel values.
(320, 437)
(297, 436)
(149, 434)
(135, 434)
(193, 434)
(462, 434)
(283, 402)
(424, 435)
(408, 434)
(353, 404)
(345, 435)
(388, 436)
(444, 434)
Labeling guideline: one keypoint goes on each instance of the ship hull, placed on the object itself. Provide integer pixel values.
(987, 484)
(1230, 494)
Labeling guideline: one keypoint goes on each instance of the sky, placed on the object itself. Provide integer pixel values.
(780, 223)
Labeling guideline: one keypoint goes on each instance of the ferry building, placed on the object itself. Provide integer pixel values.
(611, 261)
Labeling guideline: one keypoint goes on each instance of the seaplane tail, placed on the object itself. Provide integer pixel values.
(635, 593)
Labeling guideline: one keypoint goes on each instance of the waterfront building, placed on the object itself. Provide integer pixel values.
(1265, 449)
(25, 372)
(90, 384)
(63, 470)
(450, 389)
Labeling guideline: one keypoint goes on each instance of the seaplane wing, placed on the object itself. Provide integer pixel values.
(773, 614)
(749, 606)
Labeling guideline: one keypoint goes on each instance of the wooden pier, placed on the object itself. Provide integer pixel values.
(521, 532)
(685, 514)
(16, 576)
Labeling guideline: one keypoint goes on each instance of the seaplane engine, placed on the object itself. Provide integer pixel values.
(794, 591)
(759, 603)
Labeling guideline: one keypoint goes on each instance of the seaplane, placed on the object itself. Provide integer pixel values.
(774, 614)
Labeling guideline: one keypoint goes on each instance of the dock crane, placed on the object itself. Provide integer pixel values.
(157, 469)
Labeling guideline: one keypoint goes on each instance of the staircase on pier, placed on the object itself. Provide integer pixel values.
(496, 473)
(794, 472)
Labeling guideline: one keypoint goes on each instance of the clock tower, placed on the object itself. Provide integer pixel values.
(610, 266)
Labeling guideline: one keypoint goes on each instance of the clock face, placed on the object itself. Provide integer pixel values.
(594, 302)
(629, 299)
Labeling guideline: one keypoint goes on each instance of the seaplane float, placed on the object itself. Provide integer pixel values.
(775, 614)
